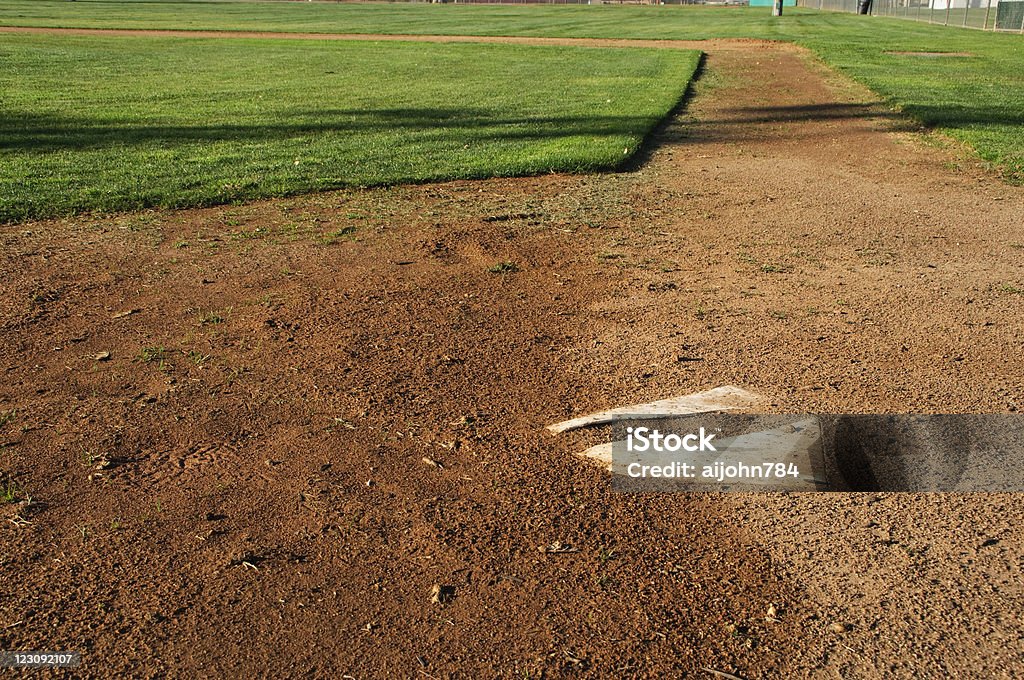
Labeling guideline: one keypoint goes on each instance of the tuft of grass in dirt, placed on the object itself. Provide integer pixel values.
(258, 232)
(125, 123)
(7, 417)
(88, 459)
(198, 359)
(503, 268)
(346, 233)
(210, 318)
(10, 492)
(151, 354)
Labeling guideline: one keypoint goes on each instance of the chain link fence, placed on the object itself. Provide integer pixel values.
(592, 2)
(988, 15)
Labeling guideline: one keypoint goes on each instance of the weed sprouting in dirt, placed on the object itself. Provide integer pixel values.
(10, 491)
(198, 359)
(157, 355)
(211, 318)
(503, 268)
(346, 233)
(151, 354)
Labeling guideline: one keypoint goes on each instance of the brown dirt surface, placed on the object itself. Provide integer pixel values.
(240, 487)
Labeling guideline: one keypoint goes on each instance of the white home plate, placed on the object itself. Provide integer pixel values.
(763, 441)
(725, 398)
(797, 443)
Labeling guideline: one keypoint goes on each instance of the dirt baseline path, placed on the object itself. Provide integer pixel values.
(256, 437)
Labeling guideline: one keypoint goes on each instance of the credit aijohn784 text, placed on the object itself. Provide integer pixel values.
(646, 440)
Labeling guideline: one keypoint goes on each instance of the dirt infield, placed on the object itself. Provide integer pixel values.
(257, 437)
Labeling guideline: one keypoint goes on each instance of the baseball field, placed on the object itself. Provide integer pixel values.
(291, 290)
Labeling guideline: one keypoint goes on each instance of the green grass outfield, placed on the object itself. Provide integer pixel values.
(122, 123)
(977, 100)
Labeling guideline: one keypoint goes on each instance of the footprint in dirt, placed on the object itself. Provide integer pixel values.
(210, 461)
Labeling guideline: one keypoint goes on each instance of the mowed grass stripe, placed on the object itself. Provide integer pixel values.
(977, 100)
(590, 21)
(113, 124)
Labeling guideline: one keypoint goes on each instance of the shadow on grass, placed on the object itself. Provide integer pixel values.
(43, 133)
(21, 130)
